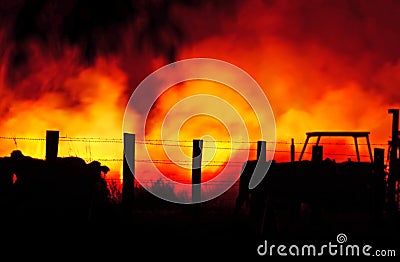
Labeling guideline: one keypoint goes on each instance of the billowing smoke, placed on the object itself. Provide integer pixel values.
(72, 65)
(324, 65)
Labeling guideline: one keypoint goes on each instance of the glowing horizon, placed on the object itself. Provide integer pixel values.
(315, 71)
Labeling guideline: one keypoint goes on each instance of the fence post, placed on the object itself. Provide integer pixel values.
(262, 151)
(52, 138)
(196, 179)
(196, 170)
(292, 151)
(393, 165)
(317, 154)
(128, 174)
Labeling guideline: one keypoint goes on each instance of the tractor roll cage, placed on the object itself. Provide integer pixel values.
(353, 134)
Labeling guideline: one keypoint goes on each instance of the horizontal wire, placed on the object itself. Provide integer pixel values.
(159, 141)
(22, 138)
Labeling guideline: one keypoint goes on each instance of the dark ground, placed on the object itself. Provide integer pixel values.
(176, 234)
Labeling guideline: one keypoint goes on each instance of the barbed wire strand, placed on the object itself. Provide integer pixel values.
(161, 142)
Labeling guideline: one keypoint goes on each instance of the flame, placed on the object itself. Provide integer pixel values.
(62, 95)
(314, 78)
(316, 72)
(217, 133)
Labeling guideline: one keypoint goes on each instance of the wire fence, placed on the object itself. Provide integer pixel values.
(250, 146)
(89, 144)
(167, 142)
(86, 153)
(187, 143)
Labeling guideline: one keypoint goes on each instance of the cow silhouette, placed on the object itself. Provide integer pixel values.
(66, 190)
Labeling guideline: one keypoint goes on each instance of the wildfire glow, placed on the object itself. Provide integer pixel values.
(218, 133)
(323, 66)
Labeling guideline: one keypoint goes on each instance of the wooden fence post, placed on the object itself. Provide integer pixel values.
(196, 170)
(261, 151)
(52, 138)
(292, 151)
(128, 174)
(317, 154)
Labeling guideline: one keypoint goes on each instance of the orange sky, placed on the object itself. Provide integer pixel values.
(323, 65)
